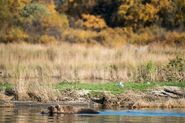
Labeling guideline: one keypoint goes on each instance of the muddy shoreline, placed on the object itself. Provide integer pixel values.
(161, 97)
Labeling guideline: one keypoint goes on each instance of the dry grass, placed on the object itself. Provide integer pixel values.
(141, 100)
(169, 103)
(36, 91)
(81, 63)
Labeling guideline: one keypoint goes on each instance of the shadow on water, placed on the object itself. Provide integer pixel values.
(32, 114)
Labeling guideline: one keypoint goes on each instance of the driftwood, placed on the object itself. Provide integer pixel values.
(175, 91)
(172, 92)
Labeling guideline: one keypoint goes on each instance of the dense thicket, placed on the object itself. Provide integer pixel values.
(46, 21)
(166, 13)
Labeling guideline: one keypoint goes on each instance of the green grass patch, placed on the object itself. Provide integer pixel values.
(4, 86)
(178, 84)
(114, 88)
(91, 86)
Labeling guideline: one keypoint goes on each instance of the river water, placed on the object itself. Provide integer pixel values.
(32, 115)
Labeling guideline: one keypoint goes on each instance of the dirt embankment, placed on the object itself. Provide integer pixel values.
(160, 97)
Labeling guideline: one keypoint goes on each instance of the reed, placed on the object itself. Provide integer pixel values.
(67, 62)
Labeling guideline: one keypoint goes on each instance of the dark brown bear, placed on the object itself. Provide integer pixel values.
(72, 110)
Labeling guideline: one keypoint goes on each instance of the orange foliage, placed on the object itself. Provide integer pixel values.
(93, 22)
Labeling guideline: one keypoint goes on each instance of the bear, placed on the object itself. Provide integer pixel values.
(51, 110)
(72, 110)
(68, 110)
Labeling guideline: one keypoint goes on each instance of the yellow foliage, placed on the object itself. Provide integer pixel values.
(161, 4)
(16, 35)
(126, 4)
(46, 39)
(78, 35)
(149, 12)
(175, 38)
(24, 1)
(134, 11)
(112, 37)
(51, 8)
(55, 21)
(123, 9)
(93, 22)
(107, 37)
(19, 4)
(147, 35)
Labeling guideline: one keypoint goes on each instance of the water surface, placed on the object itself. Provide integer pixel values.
(32, 115)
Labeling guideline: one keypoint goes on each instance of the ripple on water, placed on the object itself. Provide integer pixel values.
(143, 113)
(31, 115)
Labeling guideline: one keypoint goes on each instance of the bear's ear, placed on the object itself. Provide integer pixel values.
(51, 108)
(57, 106)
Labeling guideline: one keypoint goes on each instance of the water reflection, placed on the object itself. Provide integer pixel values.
(30, 115)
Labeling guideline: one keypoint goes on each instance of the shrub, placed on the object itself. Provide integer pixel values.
(174, 70)
(34, 10)
(108, 37)
(46, 39)
(147, 72)
(111, 37)
(148, 35)
(155, 34)
(93, 22)
(79, 36)
(55, 21)
(42, 19)
(175, 38)
(136, 14)
(15, 34)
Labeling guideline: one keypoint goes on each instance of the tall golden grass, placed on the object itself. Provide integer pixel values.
(35, 90)
(63, 62)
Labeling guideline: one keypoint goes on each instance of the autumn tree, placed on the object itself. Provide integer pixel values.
(180, 13)
(42, 21)
(10, 20)
(136, 13)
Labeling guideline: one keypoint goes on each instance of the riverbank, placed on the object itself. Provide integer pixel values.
(130, 95)
(44, 73)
